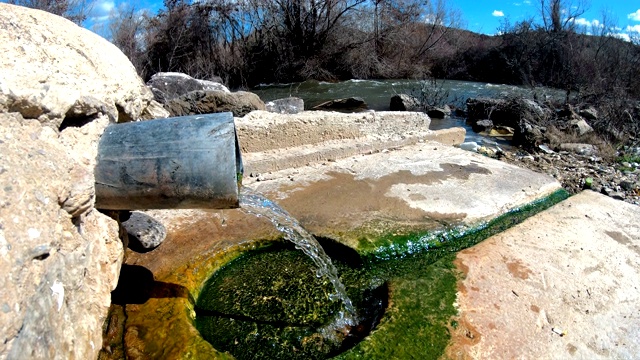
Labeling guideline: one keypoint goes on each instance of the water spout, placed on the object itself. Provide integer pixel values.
(175, 163)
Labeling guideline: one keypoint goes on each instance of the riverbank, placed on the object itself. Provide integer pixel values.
(617, 179)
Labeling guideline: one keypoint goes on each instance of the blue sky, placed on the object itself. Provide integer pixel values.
(483, 16)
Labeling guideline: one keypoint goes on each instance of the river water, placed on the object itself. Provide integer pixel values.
(377, 94)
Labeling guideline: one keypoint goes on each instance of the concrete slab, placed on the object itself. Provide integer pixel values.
(272, 142)
(561, 285)
(420, 188)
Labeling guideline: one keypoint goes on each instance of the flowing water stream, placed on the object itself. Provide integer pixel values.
(258, 205)
(377, 94)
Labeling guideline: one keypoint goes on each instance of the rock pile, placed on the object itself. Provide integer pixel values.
(577, 172)
(527, 121)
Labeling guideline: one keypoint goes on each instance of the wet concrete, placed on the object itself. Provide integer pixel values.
(561, 285)
(421, 188)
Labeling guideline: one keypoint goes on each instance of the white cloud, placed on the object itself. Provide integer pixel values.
(585, 22)
(623, 36)
(634, 15)
(634, 28)
(106, 6)
(101, 11)
(497, 13)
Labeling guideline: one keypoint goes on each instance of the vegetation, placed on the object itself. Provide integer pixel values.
(248, 42)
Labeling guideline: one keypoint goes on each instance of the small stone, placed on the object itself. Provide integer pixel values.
(145, 232)
(627, 185)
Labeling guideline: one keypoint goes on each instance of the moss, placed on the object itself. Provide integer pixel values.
(269, 304)
(270, 287)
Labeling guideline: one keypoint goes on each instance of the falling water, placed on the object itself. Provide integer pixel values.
(258, 205)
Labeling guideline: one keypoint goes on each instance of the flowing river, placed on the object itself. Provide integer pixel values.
(377, 94)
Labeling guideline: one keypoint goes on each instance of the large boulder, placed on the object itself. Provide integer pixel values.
(207, 102)
(52, 69)
(60, 87)
(170, 85)
(59, 257)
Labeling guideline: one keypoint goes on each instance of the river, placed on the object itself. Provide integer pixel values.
(377, 94)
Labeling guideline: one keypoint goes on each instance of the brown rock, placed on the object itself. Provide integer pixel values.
(207, 102)
(57, 272)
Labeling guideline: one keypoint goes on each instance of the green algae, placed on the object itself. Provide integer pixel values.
(270, 286)
(421, 297)
(451, 239)
(264, 317)
(269, 304)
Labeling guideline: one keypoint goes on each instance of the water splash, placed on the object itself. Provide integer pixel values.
(258, 205)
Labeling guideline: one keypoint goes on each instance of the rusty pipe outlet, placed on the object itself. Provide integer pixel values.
(175, 163)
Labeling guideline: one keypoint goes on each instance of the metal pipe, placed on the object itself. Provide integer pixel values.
(175, 163)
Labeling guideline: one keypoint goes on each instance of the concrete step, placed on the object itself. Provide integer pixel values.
(272, 142)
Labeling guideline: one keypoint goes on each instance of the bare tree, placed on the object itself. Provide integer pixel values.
(126, 30)
(560, 15)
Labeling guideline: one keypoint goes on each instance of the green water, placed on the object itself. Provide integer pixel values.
(269, 304)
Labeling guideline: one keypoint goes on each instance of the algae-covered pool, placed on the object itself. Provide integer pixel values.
(269, 303)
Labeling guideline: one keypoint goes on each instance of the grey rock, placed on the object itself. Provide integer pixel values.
(546, 149)
(581, 127)
(439, 112)
(589, 113)
(582, 149)
(290, 105)
(207, 102)
(167, 86)
(613, 193)
(628, 185)
(145, 232)
(483, 125)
